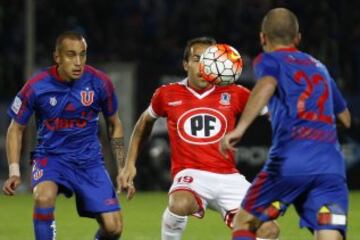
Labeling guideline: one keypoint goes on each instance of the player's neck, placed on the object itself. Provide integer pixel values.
(62, 76)
(198, 89)
(276, 47)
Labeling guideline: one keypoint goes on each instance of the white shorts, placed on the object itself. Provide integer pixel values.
(220, 192)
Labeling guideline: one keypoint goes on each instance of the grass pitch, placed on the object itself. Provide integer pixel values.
(142, 218)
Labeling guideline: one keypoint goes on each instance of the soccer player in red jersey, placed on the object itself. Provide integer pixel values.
(198, 115)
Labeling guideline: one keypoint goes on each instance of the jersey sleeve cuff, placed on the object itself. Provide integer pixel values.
(152, 113)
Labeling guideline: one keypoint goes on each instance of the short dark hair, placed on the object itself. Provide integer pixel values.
(191, 42)
(280, 25)
(67, 35)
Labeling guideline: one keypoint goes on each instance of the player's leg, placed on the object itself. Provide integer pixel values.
(110, 226)
(96, 198)
(328, 235)
(230, 195)
(184, 200)
(268, 231)
(44, 195)
(324, 209)
(182, 203)
(245, 226)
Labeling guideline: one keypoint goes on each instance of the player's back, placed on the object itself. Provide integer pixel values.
(303, 111)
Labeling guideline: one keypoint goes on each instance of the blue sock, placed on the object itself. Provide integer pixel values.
(99, 237)
(44, 223)
(243, 235)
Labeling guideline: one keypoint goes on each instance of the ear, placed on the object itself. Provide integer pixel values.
(56, 57)
(262, 39)
(185, 65)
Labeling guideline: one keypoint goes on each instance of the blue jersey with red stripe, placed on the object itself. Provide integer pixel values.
(303, 110)
(67, 113)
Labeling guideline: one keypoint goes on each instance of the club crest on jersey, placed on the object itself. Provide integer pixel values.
(225, 98)
(201, 126)
(53, 101)
(87, 97)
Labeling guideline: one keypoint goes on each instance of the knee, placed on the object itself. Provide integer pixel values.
(182, 206)
(44, 200)
(113, 228)
(268, 230)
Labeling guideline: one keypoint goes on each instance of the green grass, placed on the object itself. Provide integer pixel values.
(142, 220)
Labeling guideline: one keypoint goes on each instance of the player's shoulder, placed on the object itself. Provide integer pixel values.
(39, 76)
(96, 73)
(261, 57)
(171, 87)
(38, 80)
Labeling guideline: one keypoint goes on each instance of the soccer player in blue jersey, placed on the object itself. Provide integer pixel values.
(305, 166)
(67, 99)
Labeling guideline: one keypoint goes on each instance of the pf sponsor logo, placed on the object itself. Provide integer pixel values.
(201, 126)
(87, 97)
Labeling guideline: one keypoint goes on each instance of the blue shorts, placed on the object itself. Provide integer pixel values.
(92, 186)
(320, 200)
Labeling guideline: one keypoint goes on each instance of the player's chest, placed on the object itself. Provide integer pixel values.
(66, 101)
(201, 121)
(180, 105)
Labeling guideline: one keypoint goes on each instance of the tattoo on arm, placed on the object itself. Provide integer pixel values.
(119, 151)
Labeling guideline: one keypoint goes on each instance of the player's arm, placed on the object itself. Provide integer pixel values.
(344, 118)
(259, 97)
(117, 144)
(13, 148)
(140, 134)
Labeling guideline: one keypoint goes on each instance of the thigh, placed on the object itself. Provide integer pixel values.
(270, 195)
(325, 207)
(232, 190)
(201, 184)
(95, 193)
(49, 168)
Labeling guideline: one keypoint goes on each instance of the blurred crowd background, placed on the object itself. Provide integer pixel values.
(148, 37)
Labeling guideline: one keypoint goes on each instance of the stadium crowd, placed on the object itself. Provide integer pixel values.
(154, 31)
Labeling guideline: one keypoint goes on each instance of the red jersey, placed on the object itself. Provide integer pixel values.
(197, 122)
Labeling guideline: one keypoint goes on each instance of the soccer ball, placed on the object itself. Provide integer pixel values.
(220, 64)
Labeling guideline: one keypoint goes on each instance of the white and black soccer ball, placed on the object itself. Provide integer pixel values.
(221, 64)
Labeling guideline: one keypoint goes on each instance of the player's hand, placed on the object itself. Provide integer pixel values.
(11, 185)
(125, 181)
(228, 143)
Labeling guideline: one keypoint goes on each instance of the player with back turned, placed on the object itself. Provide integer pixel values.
(198, 114)
(305, 166)
(67, 99)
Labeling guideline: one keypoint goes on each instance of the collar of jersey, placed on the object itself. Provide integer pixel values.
(196, 94)
(53, 72)
(288, 49)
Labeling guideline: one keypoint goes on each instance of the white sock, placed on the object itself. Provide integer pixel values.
(172, 225)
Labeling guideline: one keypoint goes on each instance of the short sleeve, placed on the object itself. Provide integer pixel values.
(242, 96)
(265, 65)
(109, 100)
(22, 107)
(156, 108)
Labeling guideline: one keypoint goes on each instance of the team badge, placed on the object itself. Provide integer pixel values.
(53, 101)
(87, 97)
(201, 126)
(38, 173)
(225, 98)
